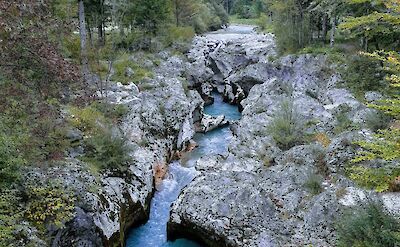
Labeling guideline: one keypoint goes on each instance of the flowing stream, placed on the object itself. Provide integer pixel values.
(154, 232)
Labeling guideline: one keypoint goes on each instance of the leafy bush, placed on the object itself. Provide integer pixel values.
(9, 217)
(385, 145)
(49, 204)
(107, 151)
(368, 226)
(287, 128)
(378, 179)
(179, 35)
(343, 122)
(10, 161)
(376, 120)
(313, 184)
(364, 74)
(264, 23)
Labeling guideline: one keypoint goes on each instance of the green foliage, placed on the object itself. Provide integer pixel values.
(248, 9)
(235, 19)
(376, 120)
(88, 119)
(9, 217)
(10, 160)
(391, 61)
(104, 148)
(108, 151)
(71, 47)
(291, 25)
(364, 74)
(149, 14)
(385, 145)
(264, 24)
(122, 64)
(368, 226)
(177, 35)
(379, 26)
(378, 179)
(313, 184)
(286, 127)
(49, 204)
(110, 111)
(343, 122)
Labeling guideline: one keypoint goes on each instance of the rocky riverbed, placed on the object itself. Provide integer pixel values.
(256, 194)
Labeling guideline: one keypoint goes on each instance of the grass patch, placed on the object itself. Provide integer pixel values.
(313, 184)
(121, 75)
(235, 19)
(287, 128)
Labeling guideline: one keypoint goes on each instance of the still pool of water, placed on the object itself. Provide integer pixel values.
(153, 233)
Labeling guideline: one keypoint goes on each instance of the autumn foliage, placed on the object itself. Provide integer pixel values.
(28, 50)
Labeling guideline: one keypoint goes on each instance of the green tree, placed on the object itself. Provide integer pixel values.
(150, 14)
(184, 11)
(378, 25)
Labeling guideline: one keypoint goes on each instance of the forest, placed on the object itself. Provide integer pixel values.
(67, 136)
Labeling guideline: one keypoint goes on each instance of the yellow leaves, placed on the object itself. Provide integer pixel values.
(378, 179)
(323, 139)
(50, 204)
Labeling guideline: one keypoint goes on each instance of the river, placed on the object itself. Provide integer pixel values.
(154, 232)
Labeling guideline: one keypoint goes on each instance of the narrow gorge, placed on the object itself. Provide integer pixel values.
(247, 189)
(199, 123)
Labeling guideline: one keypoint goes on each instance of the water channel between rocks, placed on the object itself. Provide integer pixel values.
(154, 232)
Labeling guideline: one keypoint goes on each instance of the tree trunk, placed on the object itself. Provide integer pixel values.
(83, 35)
(90, 36)
(100, 33)
(333, 31)
(324, 27)
(177, 13)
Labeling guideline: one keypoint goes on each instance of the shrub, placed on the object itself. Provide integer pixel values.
(107, 151)
(264, 23)
(286, 127)
(111, 111)
(313, 184)
(364, 74)
(368, 226)
(9, 217)
(10, 159)
(376, 120)
(49, 204)
(378, 179)
(343, 123)
(179, 35)
(50, 138)
(384, 145)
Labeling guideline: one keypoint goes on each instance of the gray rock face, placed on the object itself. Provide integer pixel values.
(215, 56)
(209, 123)
(260, 195)
(160, 121)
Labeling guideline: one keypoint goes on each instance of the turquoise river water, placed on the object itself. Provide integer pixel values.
(154, 232)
